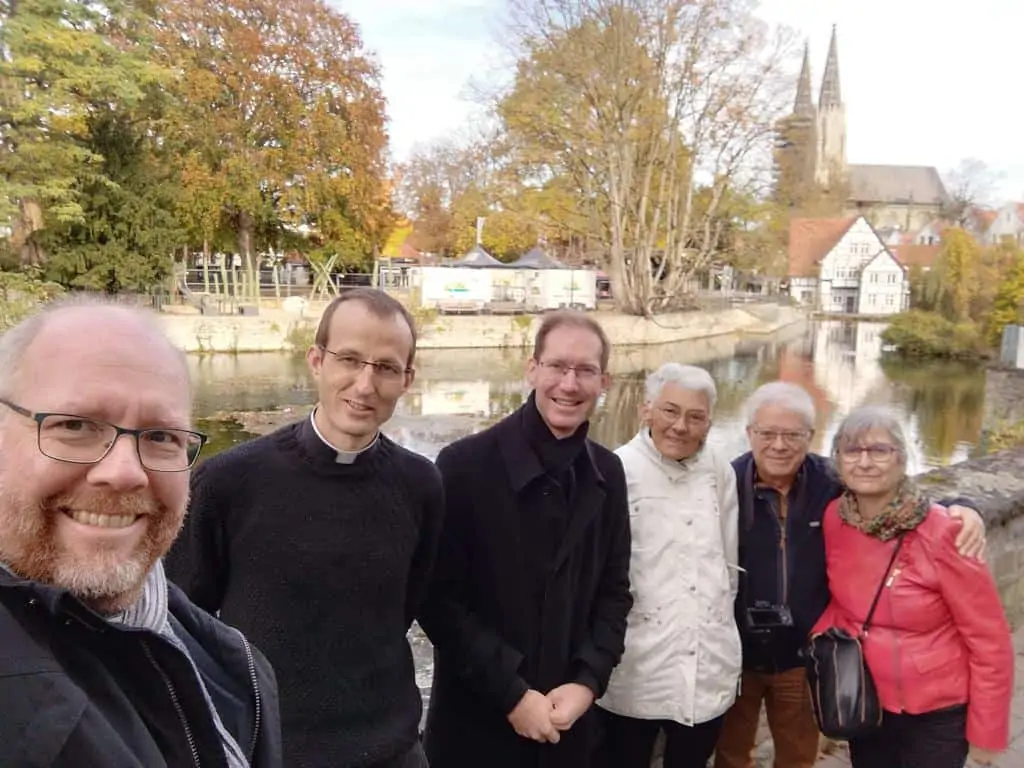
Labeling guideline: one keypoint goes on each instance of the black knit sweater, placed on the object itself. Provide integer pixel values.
(323, 566)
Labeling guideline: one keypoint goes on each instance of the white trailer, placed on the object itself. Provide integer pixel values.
(567, 288)
(455, 289)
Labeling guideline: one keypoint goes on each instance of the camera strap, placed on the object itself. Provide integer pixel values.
(881, 585)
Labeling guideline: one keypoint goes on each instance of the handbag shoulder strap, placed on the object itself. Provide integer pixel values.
(881, 585)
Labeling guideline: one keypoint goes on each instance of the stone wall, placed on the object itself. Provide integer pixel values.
(996, 485)
(275, 330)
(1004, 398)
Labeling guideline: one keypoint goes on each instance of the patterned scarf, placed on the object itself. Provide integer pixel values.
(904, 513)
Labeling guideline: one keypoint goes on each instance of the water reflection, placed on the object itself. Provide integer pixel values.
(460, 391)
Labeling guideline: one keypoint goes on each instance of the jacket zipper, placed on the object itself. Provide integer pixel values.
(897, 650)
(783, 565)
(256, 696)
(176, 703)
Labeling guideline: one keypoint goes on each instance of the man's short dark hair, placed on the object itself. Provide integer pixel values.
(377, 302)
(571, 319)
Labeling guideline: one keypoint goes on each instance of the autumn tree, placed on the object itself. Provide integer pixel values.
(434, 177)
(447, 185)
(62, 64)
(281, 113)
(954, 281)
(1008, 302)
(640, 103)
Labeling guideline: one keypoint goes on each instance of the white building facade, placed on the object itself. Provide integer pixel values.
(852, 273)
(884, 288)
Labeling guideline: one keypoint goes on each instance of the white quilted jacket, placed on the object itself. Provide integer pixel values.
(682, 659)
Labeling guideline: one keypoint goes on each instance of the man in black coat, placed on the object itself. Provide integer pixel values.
(527, 609)
(103, 663)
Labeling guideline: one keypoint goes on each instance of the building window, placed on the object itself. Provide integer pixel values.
(892, 278)
(890, 300)
(873, 298)
(874, 277)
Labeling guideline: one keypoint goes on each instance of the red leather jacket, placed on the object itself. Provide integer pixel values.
(939, 636)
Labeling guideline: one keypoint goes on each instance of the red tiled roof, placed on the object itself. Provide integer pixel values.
(984, 216)
(810, 240)
(407, 251)
(910, 255)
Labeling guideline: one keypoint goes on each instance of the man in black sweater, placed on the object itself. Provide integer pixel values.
(318, 541)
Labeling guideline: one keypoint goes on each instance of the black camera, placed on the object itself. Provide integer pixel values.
(764, 620)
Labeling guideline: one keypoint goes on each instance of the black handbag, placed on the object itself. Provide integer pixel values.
(843, 692)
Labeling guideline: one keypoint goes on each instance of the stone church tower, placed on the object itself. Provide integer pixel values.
(797, 147)
(830, 165)
(813, 177)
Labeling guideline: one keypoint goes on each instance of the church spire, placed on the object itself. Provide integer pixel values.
(830, 94)
(804, 106)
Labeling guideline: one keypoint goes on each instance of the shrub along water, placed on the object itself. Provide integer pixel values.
(927, 334)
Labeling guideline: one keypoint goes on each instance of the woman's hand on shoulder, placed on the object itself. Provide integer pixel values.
(970, 541)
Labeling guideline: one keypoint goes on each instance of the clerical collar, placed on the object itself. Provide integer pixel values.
(342, 457)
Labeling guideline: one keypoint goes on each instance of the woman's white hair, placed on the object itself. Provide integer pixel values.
(689, 377)
(862, 420)
(784, 395)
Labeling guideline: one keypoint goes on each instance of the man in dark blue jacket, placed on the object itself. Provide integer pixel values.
(104, 663)
(783, 491)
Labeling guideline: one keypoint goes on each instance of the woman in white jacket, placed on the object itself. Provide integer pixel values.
(682, 662)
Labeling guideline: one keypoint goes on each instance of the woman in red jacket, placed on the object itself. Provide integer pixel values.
(939, 647)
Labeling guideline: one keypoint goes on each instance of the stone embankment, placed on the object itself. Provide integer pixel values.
(280, 329)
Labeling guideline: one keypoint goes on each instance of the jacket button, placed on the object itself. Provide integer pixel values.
(32, 603)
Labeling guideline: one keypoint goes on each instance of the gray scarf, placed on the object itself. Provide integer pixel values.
(150, 612)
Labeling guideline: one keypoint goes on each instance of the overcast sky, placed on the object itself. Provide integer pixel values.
(922, 85)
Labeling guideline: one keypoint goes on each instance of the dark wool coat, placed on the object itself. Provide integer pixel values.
(499, 625)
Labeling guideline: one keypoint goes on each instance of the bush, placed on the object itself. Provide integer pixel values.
(21, 294)
(300, 337)
(926, 334)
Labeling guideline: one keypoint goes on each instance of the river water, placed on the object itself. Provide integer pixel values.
(457, 392)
